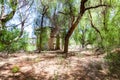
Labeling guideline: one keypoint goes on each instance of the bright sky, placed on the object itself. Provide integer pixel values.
(17, 19)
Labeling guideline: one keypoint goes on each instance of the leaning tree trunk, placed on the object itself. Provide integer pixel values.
(76, 22)
(73, 26)
(66, 45)
(69, 33)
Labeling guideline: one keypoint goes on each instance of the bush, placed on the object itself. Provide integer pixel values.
(15, 69)
(8, 36)
(21, 44)
(113, 60)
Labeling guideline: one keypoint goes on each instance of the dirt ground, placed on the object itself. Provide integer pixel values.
(50, 65)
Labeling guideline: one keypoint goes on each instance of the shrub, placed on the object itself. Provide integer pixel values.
(113, 60)
(15, 69)
(8, 36)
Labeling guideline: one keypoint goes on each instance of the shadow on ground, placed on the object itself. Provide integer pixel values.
(53, 67)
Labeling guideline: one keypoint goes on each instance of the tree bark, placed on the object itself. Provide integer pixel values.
(73, 26)
(66, 45)
(51, 43)
(70, 31)
(83, 39)
(57, 42)
(40, 41)
(37, 42)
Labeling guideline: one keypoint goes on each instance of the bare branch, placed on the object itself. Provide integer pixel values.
(25, 5)
(93, 7)
(93, 26)
(63, 13)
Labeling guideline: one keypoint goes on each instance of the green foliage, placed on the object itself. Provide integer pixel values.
(113, 60)
(77, 36)
(13, 4)
(105, 19)
(15, 69)
(91, 36)
(111, 35)
(71, 7)
(30, 47)
(45, 35)
(1, 1)
(21, 44)
(111, 39)
(84, 34)
(7, 37)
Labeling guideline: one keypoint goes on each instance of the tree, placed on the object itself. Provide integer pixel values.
(44, 11)
(76, 21)
(12, 29)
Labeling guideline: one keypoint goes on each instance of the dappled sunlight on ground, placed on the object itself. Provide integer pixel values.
(49, 66)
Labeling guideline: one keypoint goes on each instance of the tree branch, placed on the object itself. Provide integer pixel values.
(93, 26)
(25, 5)
(63, 13)
(93, 7)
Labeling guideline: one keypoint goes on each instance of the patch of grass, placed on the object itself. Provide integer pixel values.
(37, 60)
(55, 75)
(15, 69)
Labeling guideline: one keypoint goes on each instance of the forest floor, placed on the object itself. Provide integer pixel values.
(51, 65)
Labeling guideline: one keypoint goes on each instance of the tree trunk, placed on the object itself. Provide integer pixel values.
(40, 40)
(53, 33)
(83, 43)
(66, 46)
(69, 33)
(45, 8)
(37, 43)
(57, 42)
(51, 43)
(74, 24)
